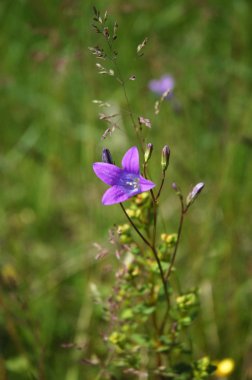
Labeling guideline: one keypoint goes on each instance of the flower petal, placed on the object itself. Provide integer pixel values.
(146, 184)
(154, 86)
(130, 161)
(160, 86)
(116, 194)
(108, 173)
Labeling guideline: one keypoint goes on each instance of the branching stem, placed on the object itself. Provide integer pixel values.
(154, 251)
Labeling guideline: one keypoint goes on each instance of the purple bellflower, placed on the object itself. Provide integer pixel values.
(160, 86)
(125, 182)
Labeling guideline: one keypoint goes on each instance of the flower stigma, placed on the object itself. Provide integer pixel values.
(130, 182)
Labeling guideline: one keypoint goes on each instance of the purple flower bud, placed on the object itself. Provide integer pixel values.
(106, 156)
(177, 190)
(174, 186)
(165, 157)
(148, 152)
(194, 193)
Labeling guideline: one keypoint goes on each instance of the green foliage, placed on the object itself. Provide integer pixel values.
(148, 316)
(50, 209)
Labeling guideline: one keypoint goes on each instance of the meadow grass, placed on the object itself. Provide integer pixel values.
(50, 200)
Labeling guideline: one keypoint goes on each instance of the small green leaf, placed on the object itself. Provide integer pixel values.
(127, 314)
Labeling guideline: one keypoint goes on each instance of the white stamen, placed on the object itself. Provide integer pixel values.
(131, 182)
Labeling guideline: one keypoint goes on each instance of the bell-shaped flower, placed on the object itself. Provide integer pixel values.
(125, 182)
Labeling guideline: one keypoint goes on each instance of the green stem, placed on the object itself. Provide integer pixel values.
(161, 186)
(154, 202)
(183, 211)
(168, 273)
(122, 82)
(154, 251)
(135, 227)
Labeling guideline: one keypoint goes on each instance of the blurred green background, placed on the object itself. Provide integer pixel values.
(50, 211)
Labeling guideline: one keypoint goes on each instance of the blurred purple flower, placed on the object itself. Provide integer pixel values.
(126, 182)
(162, 85)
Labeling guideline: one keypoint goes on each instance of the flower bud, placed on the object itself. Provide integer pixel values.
(148, 152)
(177, 190)
(225, 367)
(123, 228)
(140, 199)
(106, 156)
(124, 234)
(131, 213)
(165, 157)
(194, 193)
(185, 321)
(170, 239)
(9, 277)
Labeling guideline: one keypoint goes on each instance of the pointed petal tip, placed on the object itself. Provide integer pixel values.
(146, 184)
(108, 173)
(115, 194)
(130, 161)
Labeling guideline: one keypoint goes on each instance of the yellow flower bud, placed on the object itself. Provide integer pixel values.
(135, 271)
(170, 239)
(125, 239)
(116, 337)
(123, 228)
(131, 213)
(9, 276)
(138, 213)
(225, 367)
(163, 237)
